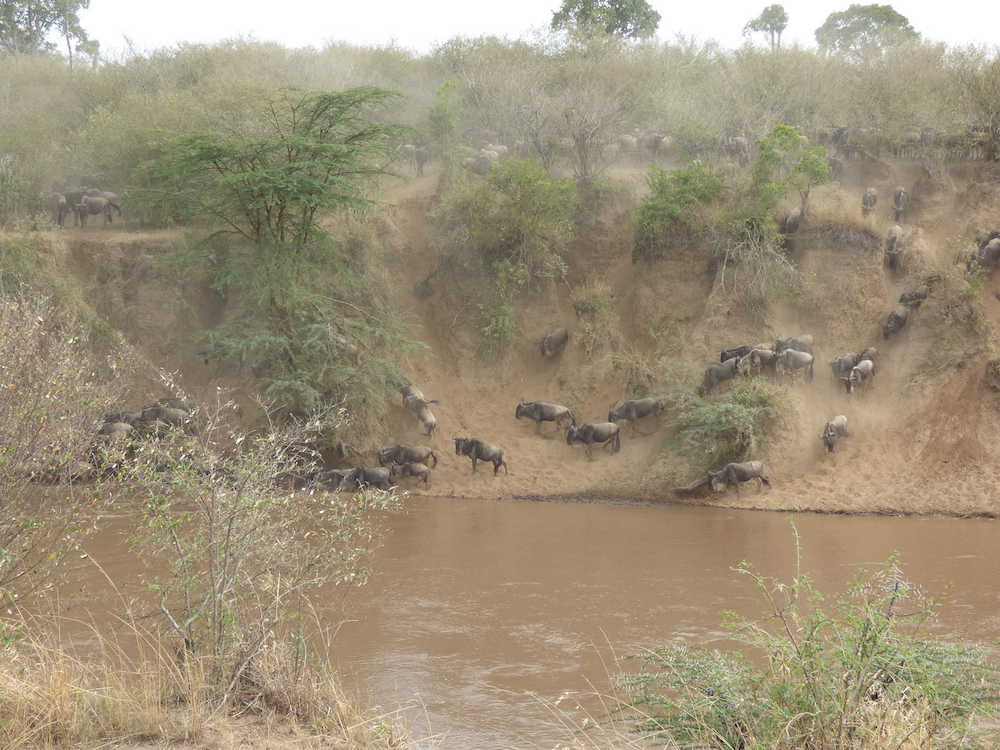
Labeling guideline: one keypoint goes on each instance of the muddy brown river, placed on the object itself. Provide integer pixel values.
(481, 614)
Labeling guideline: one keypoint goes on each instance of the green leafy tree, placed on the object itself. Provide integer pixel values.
(772, 21)
(672, 215)
(26, 24)
(261, 183)
(444, 117)
(784, 163)
(633, 19)
(862, 31)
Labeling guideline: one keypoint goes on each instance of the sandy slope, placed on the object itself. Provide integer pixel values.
(924, 438)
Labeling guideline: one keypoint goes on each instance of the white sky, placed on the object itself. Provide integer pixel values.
(421, 25)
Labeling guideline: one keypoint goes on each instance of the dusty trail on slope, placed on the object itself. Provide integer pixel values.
(924, 438)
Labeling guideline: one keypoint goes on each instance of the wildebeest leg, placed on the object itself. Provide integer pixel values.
(538, 426)
(473, 464)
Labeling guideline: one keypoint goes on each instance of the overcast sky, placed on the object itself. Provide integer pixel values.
(422, 25)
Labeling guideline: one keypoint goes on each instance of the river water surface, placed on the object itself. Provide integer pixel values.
(481, 614)
(477, 607)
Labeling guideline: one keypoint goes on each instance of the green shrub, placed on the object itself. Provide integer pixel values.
(518, 214)
(729, 427)
(853, 671)
(671, 216)
(498, 324)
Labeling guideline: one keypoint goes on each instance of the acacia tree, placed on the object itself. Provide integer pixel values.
(784, 163)
(863, 31)
(632, 19)
(772, 21)
(26, 24)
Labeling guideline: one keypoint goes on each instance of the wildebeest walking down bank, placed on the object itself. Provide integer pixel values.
(636, 409)
(416, 404)
(542, 411)
(607, 433)
(861, 373)
(900, 203)
(478, 450)
(716, 374)
(734, 474)
(868, 201)
(405, 454)
(835, 429)
(792, 359)
(554, 342)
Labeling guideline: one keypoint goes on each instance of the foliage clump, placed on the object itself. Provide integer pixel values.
(673, 214)
(728, 427)
(859, 670)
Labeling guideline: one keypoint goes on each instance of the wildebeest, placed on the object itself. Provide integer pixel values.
(333, 478)
(914, 297)
(896, 320)
(736, 351)
(91, 205)
(542, 411)
(835, 429)
(894, 246)
(636, 409)
(758, 358)
(716, 374)
(416, 404)
(802, 343)
(868, 201)
(478, 450)
(870, 353)
(607, 433)
(844, 363)
(361, 477)
(405, 454)
(791, 222)
(989, 253)
(861, 373)
(793, 359)
(412, 469)
(734, 474)
(900, 203)
(554, 342)
(59, 207)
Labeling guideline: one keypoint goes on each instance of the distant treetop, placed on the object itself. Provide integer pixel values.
(863, 30)
(632, 19)
(771, 21)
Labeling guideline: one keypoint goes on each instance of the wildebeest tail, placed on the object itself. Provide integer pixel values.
(764, 479)
(432, 455)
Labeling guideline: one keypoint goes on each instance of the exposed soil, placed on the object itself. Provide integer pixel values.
(924, 437)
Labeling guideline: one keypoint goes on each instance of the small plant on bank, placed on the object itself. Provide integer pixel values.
(858, 670)
(593, 303)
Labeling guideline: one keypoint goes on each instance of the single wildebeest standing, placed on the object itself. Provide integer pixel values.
(554, 342)
(717, 373)
(914, 297)
(59, 207)
(405, 454)
(896, 320)
(636, 409)
(419, 470)
(792, 359)
(736, 351)
(835, 429)
(868, 201)
(894, 246)
(861, 373)
(421, 156)
(803, 343)
(603, 432)
(900, 203)
(762, 357)
(541, 411)
(735, 474)
(91, 205)
(477, 450)
(790, 224)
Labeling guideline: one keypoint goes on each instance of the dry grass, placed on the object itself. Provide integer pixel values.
(125, 685)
